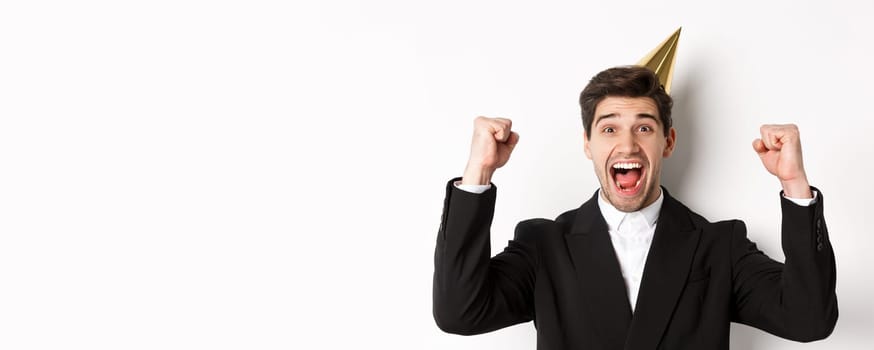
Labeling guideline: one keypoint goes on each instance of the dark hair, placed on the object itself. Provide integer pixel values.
(630, 81)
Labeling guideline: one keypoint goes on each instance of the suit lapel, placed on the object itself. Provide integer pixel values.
(667, 267)
(603, 291)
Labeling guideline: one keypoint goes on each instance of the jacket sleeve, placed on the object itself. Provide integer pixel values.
(474, 293)
(795, 300)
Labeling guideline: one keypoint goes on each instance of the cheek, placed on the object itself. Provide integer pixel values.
(597, 156)
(658, 149)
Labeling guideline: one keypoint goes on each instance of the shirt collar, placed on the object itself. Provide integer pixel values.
(614, 216)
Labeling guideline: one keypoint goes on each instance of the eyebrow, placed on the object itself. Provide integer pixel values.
(599, 118)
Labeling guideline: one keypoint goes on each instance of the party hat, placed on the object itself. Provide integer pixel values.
(661, 60)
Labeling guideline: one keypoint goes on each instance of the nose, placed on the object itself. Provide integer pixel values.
(627, 144)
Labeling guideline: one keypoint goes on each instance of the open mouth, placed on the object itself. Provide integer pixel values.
(627, 177)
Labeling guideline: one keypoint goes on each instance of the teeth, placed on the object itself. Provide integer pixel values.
(627, 166)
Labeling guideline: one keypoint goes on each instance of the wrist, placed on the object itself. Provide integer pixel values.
(797, 188)
(477, 175)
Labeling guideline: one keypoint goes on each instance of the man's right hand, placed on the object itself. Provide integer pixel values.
(492, 143)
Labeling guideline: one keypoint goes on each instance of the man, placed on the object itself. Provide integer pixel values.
(632, 268)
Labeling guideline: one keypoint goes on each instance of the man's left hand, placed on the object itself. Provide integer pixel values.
(780, 151)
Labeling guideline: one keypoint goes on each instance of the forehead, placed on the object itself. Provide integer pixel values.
(620, 105)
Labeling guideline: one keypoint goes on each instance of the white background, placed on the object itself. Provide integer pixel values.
(270, 175)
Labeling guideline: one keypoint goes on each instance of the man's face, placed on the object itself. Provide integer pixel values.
(627, 145)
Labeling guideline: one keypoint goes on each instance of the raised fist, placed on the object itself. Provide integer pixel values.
(493, 141)
(780, 151)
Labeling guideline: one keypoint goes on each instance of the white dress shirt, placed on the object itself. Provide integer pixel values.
(631, 234)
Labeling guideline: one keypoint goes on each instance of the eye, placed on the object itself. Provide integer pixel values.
(608, 130)
(645, 128)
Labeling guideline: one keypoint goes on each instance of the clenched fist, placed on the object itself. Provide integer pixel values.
(493, 141)
(780, 151)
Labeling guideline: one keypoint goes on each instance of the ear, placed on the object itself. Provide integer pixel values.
(670, 142)
(586, 145)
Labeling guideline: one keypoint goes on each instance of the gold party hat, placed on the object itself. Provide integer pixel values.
(661, 60)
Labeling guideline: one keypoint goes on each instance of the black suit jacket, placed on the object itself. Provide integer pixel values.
(699, 276)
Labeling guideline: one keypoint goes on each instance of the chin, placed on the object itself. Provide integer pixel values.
(629, 203)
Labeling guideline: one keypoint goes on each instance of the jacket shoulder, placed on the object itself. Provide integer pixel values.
(537, 228)
(698, 221)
